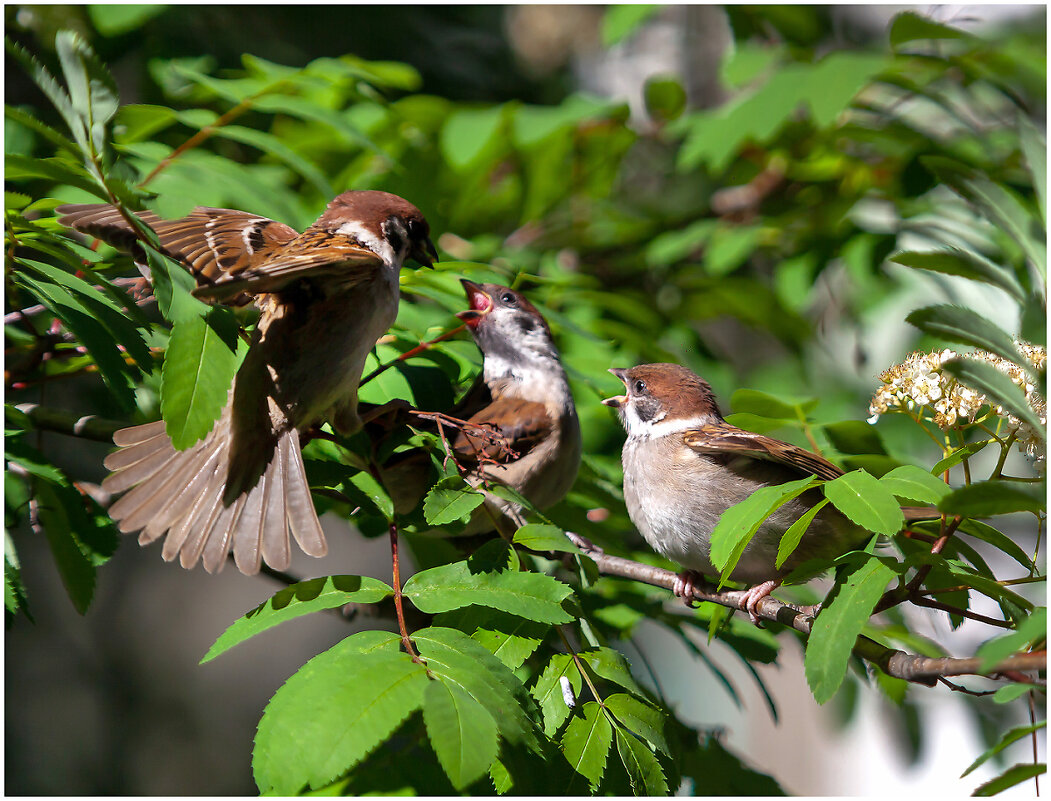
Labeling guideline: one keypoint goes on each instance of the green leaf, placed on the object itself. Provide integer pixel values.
(172, 286)
(530, 595)
(461, 731)
(910, 26)
(294, 601)
(986, 533)
(996, 386)
(334, 711)
(865, 501)
(643, 769)
(199, 367)
(1014, 735)
(453, 656)
(716, 771)
(641, 718)
(1016, 774)
(740, 522)
(954, 261)
(586, 743)
(838, 625)
(958, 455)
(790, 539)
(376, 493)
(268, 143)
(75, 568)
(1011, 692)
(509, 638)
(449, 500)
(914, 484)
(621, 21)
(541, 537)
(957, 324)
(467, 134)
(854, 436)
(753, 401)
(988, 498)
(1035, 150)
(611, 665)
(996, 650)
(113, 20)
(548, 690)
(664, 97)
(87, 328)
(15, 600)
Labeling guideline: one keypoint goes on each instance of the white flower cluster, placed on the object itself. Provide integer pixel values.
(919, 381)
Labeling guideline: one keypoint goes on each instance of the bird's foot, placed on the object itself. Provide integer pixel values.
(685, 583)
(754, 595)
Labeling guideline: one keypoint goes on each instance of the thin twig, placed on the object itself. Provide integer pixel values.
(410, 353)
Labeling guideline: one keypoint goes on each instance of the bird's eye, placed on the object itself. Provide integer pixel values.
(640, 387)
(509, 298)
(415, 228)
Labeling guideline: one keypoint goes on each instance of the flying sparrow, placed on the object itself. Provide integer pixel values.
(523, 430)
(684, 466)
(325, 296)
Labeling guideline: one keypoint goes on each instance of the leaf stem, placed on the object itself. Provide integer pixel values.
(580, 666)
(410, 353)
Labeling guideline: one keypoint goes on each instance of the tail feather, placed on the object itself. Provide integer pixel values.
(299, 508)
(181, 494)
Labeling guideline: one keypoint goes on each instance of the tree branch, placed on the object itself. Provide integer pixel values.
(87, 427)
(919, 669)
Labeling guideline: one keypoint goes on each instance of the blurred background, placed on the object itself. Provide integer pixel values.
(715, 185)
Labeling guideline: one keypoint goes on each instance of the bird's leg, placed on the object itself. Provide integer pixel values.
(754, 595)
(684, 585)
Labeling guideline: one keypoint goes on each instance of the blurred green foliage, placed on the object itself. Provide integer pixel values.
(750, 241)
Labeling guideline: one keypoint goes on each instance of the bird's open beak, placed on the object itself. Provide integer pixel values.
(481, 303)
(618, 400)
(425, 253)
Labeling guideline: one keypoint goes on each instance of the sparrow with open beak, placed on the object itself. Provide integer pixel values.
(325, 297)
(522, 397)
(684, 466)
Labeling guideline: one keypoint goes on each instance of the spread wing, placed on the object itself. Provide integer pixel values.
(316, 253)
(212, 243)
(520, 424)
(727, 440)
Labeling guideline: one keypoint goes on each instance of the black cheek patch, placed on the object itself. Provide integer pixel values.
(527, 324)
(647, 408)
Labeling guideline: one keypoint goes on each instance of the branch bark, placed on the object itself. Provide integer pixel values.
(87, 427)
(918, 669)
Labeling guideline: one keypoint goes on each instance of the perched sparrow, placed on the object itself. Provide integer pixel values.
(522, 397)
(684, 466)
(325, 296)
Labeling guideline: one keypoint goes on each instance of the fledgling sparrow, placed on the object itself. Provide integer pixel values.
(325, 296)
(684, 466)
(522, 396)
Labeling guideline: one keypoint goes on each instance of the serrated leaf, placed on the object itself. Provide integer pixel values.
(333, 712)
(865, 501)
(461, 731)
(449, 500)
(548, 690)
(199, 367)
(612, 666)
(955, 261)
(74, 566)
(454, 656)
(988, 498)
(1016, 774)
(790, 539)
(296, 600)
(641, 718)
(957, 324)
(741, 521)
(586, 743)
(85, 326)
(1014, 735)
(643, 769)
(542, 537)
(510, 638)
(986, 533)
(376, 493)
(997, 387)
(530, 595)
(958, 455)
(914, 484)
(838, 625)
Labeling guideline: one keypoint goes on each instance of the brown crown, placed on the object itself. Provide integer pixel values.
(681, 392)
